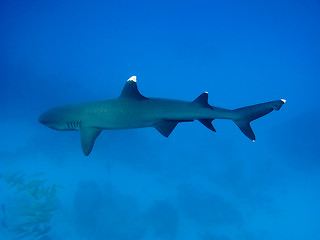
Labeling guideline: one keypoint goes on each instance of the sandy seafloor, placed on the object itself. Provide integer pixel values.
(136, 184)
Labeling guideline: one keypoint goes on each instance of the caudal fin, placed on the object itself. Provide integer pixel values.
(243, 116)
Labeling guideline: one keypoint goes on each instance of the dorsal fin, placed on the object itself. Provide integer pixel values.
(202, 100)
(130, 90)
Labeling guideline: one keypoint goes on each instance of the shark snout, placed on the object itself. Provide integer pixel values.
(42, 119)
(53, 118)
(47, 118)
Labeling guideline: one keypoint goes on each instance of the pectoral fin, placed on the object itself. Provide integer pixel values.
(88, 136)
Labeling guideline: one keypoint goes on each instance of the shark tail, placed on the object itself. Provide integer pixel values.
(243, 116)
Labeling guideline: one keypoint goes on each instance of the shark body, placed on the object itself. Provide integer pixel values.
(133, 110)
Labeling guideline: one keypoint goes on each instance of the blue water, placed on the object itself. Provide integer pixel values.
(136, 184)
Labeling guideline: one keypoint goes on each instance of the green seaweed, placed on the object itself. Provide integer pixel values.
(35, 204)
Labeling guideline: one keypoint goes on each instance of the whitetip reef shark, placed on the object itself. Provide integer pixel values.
(133, 110)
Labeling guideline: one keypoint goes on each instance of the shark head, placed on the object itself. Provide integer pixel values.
(50, 119)
(58, 119)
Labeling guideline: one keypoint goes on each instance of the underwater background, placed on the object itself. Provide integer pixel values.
(136, 184)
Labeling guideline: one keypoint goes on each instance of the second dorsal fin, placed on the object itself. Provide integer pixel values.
(130, 90)
(202, 100)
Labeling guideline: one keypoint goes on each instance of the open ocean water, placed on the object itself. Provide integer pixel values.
(136, 184)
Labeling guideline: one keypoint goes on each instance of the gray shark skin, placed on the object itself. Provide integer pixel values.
(133, 110)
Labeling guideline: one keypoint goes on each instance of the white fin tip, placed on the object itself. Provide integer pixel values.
(206, 92)
(283, 100)
(133, 78)
(253, 140)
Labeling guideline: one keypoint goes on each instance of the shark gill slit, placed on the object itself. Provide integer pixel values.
(74, 125)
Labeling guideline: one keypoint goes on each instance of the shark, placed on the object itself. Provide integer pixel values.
(133, 110)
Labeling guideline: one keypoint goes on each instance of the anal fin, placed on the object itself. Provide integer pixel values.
(88, 136)
(208, 124)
